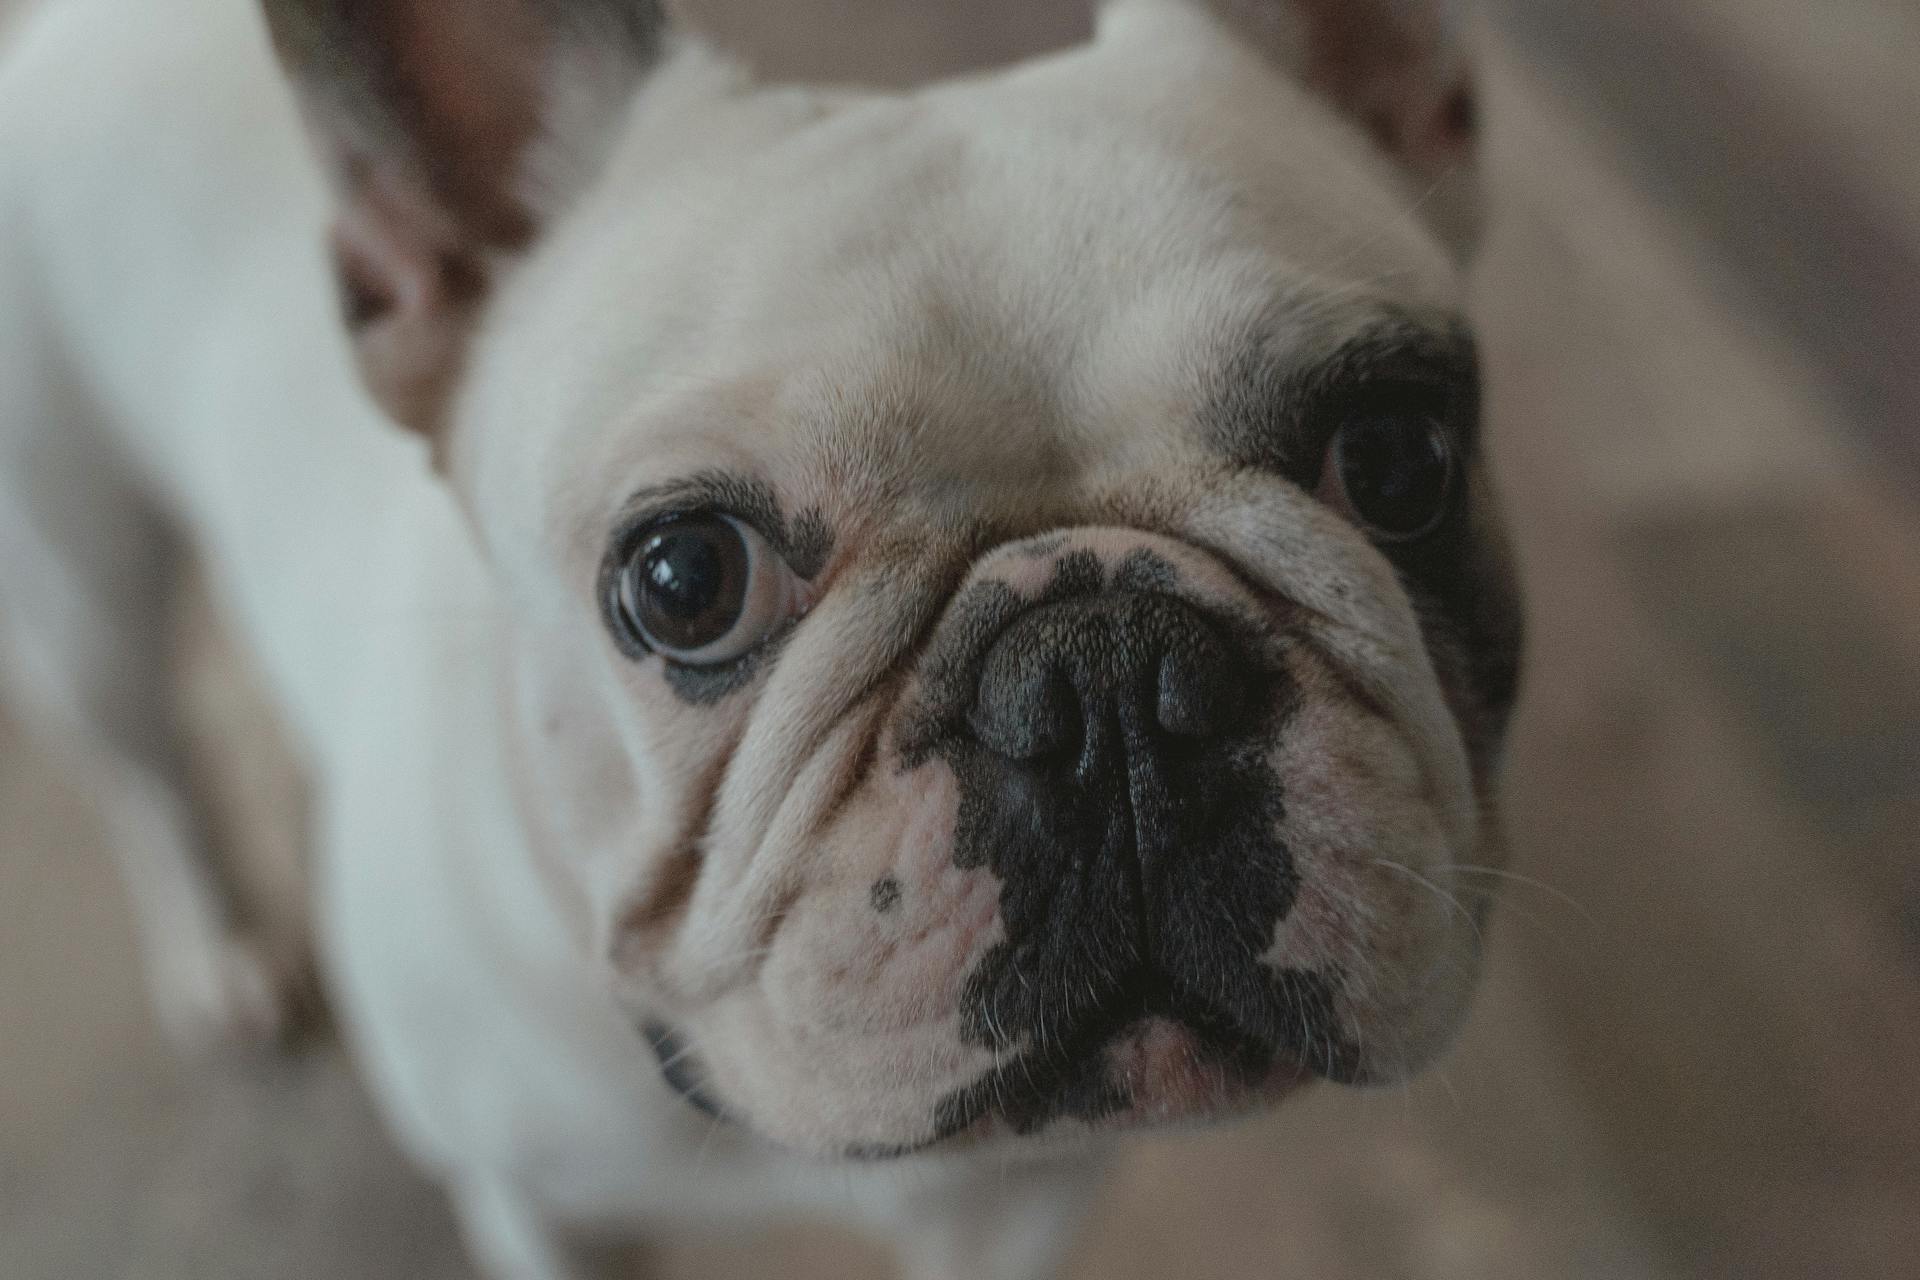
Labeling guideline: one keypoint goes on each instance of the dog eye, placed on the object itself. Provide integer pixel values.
(1393, 474)
(702, 590)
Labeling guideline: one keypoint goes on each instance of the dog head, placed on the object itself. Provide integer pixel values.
(1011, 630)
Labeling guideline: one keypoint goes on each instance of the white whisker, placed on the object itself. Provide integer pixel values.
(1448, 898)
(1529, 882)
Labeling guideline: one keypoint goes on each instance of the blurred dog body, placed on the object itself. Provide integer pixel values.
(907, 625)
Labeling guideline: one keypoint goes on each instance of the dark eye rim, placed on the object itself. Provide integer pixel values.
(1451, 488)
(626, 542)
(1413, 386)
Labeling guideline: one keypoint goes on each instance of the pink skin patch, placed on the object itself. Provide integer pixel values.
(873, 968)
(1170, 1079)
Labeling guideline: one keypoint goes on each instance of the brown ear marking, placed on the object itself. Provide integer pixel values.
(424, 113)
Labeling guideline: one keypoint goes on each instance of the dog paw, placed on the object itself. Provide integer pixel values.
(237, 997)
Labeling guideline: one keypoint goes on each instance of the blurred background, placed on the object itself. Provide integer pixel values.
(1698, 1049)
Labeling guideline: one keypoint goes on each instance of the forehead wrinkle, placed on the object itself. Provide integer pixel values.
(951, 416)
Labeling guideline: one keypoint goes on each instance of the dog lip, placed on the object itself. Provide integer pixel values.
(1189, 1086)
(988, 1122)
(1139, 1068)
(675, 1058)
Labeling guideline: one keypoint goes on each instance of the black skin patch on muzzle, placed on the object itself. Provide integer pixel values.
(1140, 868)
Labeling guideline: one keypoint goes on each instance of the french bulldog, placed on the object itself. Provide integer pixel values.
(849, 645)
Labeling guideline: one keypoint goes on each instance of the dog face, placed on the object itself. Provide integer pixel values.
(1011, 630)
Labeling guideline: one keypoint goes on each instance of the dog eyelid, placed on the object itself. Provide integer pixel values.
(708, 492)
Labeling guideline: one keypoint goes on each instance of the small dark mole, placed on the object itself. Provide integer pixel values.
(885, 894)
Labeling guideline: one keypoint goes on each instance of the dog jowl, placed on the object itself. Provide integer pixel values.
(1017, 634)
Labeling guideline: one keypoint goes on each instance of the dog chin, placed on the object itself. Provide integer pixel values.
(1157, 1075)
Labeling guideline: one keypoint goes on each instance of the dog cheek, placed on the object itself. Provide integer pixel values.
(886, 942)
(1373, 909)
(819, 1089)
(853, 1035)
(853, 1032)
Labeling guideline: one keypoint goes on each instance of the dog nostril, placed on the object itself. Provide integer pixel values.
(1025, 715)
(1199, 695)
(1083, 678)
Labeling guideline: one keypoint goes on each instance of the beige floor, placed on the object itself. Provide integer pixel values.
(1706, 1063)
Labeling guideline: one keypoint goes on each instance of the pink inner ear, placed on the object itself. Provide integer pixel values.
(1451, 129)
(1389, 63)
(1460, 115)
(425, 111)
(468, 76)
(408, 296)
(381, 274)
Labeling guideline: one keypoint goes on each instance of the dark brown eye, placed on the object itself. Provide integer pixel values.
(702, 590)
(1392, 474)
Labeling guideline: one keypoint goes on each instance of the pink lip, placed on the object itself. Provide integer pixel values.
(1170, 1077)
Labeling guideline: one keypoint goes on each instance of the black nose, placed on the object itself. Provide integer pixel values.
(1106, 679)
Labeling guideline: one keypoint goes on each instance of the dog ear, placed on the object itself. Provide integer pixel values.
(451, 129)
(1395, 67)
